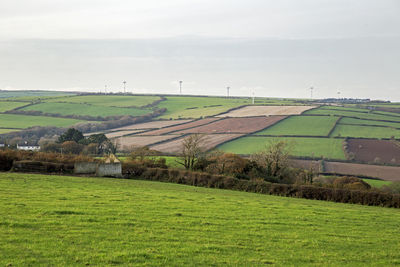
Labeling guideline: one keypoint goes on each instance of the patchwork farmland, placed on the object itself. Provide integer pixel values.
(313, 131)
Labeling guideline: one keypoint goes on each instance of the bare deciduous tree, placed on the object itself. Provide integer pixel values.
(192, 148)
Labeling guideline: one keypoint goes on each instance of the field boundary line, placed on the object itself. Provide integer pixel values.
(334, 126)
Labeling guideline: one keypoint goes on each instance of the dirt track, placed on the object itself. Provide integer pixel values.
(249, 111)
(378, 151)
(235, 125)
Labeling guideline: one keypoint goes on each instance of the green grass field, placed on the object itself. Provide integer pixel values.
(365, 131)
(369, 122)
(302, 125)
(377, 183)
(74, 221)
(3, 130)
(196, 107)
(299, 146)
(9, 105)
(88, 110)
(109, 100)
(343, 112)
(24, 121)
(30, 95)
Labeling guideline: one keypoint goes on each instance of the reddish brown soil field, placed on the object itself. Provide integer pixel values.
(121, 133)
(209, 142)
(235, 125)
(375, 151)
(383, 172)
(128, 141)
(306, 164)
(180, 127)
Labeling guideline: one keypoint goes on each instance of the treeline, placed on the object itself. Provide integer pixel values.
(335, 194)
(71, 116)
(8, 157)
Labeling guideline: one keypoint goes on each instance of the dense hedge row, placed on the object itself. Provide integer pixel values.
(371, 198)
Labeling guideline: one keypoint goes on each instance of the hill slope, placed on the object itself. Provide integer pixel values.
(54, 220)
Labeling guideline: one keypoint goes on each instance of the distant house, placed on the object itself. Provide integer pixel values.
(2, 145)
(28, 147)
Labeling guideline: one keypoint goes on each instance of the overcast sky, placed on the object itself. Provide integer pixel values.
(273, 48)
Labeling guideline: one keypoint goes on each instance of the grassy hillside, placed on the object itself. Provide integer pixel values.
(24, 121)
(365, 131)
(28, 94)
(109, 100)
(9, 105)
(302, 125)
(360, 113)
(82, 109)
(299, 146)
(196, 107)
(369, 122)
(59, 221)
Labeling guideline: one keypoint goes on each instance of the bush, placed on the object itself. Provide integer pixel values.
(352, 183)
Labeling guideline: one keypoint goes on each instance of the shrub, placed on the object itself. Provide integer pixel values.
(351, 183)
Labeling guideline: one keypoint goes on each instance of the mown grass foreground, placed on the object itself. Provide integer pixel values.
(60, 220)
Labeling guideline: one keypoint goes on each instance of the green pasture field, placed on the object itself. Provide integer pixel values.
(3, 130)
(349, 108)
(88, 110)
(377, 183)
(385, 105)
(74, 221)
(343, 112)
(9, 105)
(196, 107)
(329, 148)
(302, 125)
(365, 131)
(369, 122)
(31, 94)
(109, 100)
(25, 121)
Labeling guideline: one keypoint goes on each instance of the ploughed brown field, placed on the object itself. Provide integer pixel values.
(378, 151)
(249, 111)
(121, 133)
(137, 140)
(180, 127)
(151, 125)
(306, 164)
(209, 141)
(388, 173)
(235, 125)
